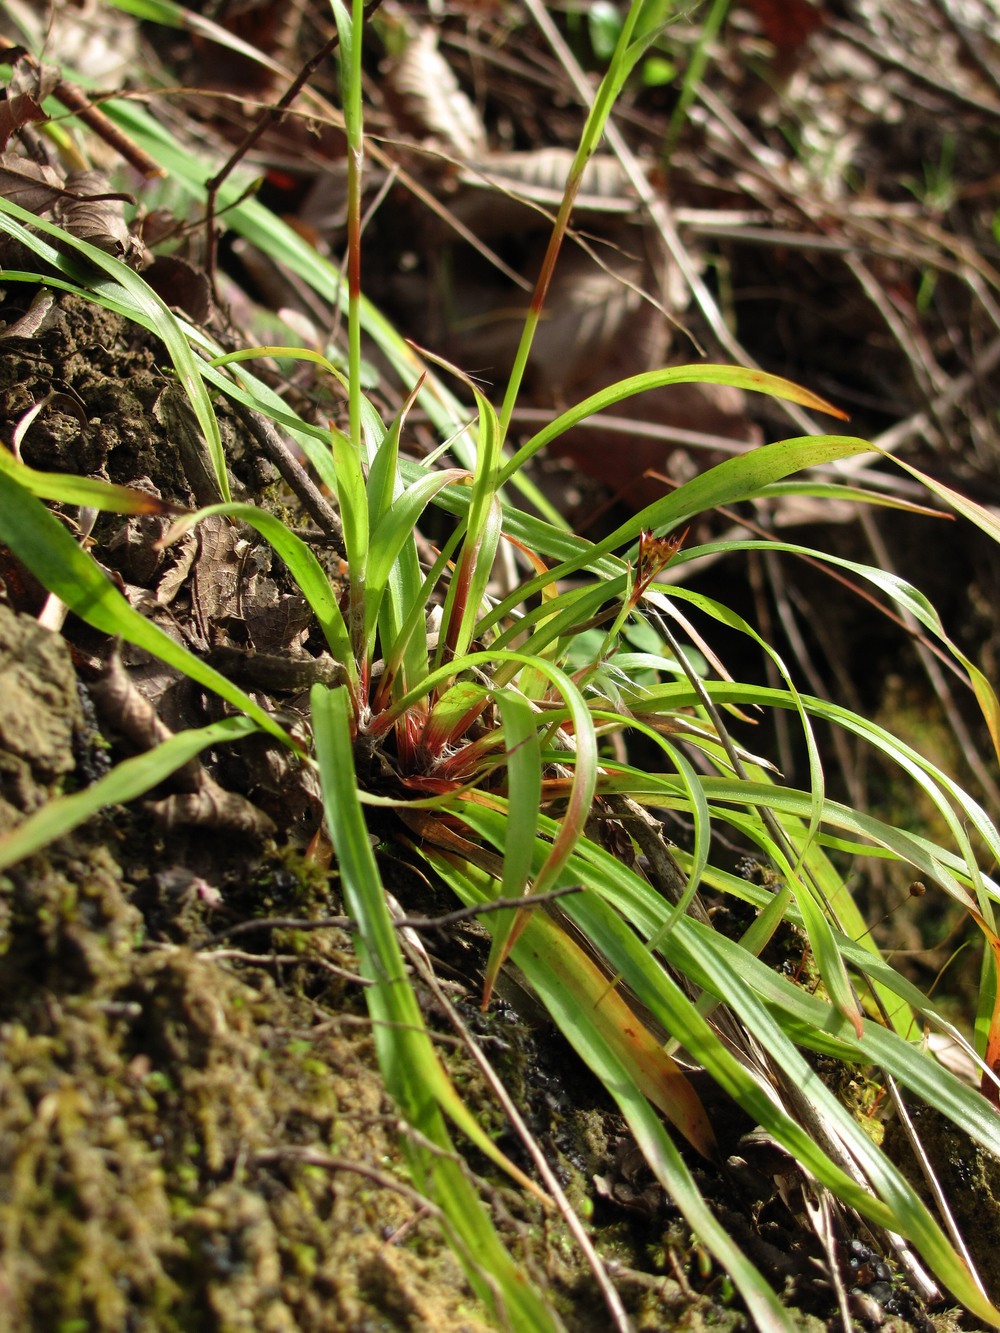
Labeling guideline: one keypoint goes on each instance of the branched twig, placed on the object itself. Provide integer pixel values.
(327, 1162)
(76, 101)
(402, 922)
(269, 116)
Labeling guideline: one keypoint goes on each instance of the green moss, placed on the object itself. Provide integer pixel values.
(154, 1103)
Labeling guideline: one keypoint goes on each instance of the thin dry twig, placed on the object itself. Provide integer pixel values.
(660, 214)
(282, 960)
(293, 1152)
(403, 922)
(270, 116)
(930, 1177)
(612, 1300)
(76, 101)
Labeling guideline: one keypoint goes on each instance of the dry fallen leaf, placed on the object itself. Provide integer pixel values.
(431, 100)
(88, 209)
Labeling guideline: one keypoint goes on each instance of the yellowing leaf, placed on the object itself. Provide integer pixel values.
(584, 987)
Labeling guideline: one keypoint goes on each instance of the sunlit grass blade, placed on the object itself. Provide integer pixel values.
(409, 1062)
(384, 484)
(840, 491)
(272, 234)
(45, 547)
(720, 965)
(237, 383)
(943, 791)
(524, 799)
(473, 568)
(576, 1021)
(451, 715)
(559, 617)
(734, 983)
(613, 937)
(789, 854)
(728, 482)
(911, 600)
(126, 781)
(756, 381)
(976, 513)
(158, 315)
(702, 820)
(807, 1020)
(953, 873)
(66, 488)
(604, 1015)
(393, 532)
(407, 646)
(584, 752)
(396, 592)
(484, 525)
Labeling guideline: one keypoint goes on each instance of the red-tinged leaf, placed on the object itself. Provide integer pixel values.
(451, 716)
(571, 827)
(538, 565)
(29, 85)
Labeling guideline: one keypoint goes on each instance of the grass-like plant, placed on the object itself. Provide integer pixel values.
(488, 718)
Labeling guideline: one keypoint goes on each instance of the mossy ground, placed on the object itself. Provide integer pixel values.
(177, 1133)
(192, 1140)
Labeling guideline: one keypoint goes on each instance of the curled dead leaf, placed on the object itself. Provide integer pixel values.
(88, 209)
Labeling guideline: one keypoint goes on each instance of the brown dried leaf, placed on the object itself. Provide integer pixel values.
(31, 185)
(16, 112)
(180, 284)
(178, 574)
(587, 309)
(127, 710)
(431, 99)
(216, 575)
(29, 85)
(89, 210)
(540, 177)
(33, 80)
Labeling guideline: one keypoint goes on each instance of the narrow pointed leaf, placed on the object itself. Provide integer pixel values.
(45, 547)
(66, 488)
(524, 799)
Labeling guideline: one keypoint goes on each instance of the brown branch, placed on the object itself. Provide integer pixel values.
(75, 100)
